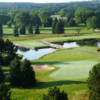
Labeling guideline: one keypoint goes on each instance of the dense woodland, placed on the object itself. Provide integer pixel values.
(54, 8)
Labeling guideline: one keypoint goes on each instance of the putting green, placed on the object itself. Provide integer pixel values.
(73, 70)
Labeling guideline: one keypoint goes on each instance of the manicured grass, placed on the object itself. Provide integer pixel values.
(73, 70)
(44, 81)
(55, 16)
(31, 43)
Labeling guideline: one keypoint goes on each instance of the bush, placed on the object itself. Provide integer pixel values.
(19, 56)
(15, 72)
(5, 92)
(55, 94)
(94, 82)
(2, 76)
(27, 74)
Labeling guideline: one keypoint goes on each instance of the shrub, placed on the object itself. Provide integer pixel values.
(22, 29)
(2, 76)
(55, 94)
(27, 74)
(5, 92)
(94, 82)
(15, 72)
(19, 56)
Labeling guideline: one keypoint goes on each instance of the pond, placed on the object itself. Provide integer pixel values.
(37, 53)
(31, 54)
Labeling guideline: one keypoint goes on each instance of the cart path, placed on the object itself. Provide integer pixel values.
(61, 47)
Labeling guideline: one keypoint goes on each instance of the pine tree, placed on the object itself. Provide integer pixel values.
(30, 29)
(5, 93)
(15, 72)
(22, 29)
(15, 31)
(55, 94)
(1, 31)
(27, 74)
(53, 27)
(59, 27)
(94, 82)
(37, 29)
(2, 76)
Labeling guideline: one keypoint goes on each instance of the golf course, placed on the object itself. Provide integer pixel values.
(70, 66)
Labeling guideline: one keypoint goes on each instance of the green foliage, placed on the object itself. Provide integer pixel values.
(19, 56)
(44, 15)
(7, 51)
(9, 24)
(22, 29)
(12, 14)
(37, 29)
(4, 19)
(1, 31)
(55, 94)
(27, 74)
(48, 22)
(1, 45)
(78, 30)
(35, 19)
(30, 29)
(5, 93)
(15, 31)
(54, 26)
(92, 22)
(94, 82)
(59, 27)
(82, 14)
(15, 72)
(22, 18)
(2, 76)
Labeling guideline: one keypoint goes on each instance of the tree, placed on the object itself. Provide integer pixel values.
(82, 14)
(94, 82)
(12, 14)
(59, 27)
(15, 76)
(53, 27)
(22, 18)
(5, 93)
(27, 74)
(44, 15)
(4, 19)
(9, 24)
(92, 23)
(37, 30)
(35, 19)
(48, 22)
(55, 94)
(2, 76)
(22, 29)
(78, 30)
(1, 31)
(30, 29)
(15, 31)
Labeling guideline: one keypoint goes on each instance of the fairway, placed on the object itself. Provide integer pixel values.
(73, 70)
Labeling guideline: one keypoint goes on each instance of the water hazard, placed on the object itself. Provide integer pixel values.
(37, 53)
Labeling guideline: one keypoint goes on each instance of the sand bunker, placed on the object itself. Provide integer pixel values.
(42, 67)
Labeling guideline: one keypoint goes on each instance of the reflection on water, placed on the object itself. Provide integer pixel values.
(35, 54)
(70, 45)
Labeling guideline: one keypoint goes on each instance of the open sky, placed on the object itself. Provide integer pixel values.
(41, 1)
